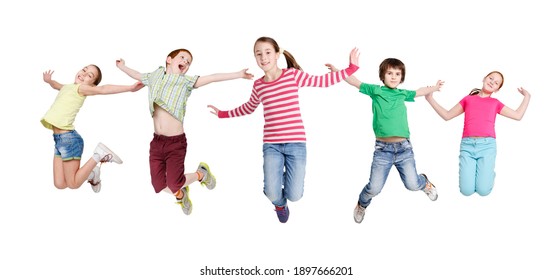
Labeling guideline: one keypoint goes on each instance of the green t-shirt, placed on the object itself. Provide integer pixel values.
(389, 110)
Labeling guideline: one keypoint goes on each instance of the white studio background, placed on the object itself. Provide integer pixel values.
(129, 232)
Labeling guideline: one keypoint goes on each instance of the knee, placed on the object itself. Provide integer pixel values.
(369, 191)
(467, 192)
(73, 186)
(414, 185)
(295, 197)
(60, 186)
(484, 192)
(485, 187)
(158, 185)
(272, 195)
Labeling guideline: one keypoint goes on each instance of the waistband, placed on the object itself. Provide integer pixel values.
(160, 137)
(393, 143)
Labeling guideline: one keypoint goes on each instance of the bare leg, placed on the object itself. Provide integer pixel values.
(190, 178)
(75, 176)
(59, 176)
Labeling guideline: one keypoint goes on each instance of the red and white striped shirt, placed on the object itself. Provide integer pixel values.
(280, 99)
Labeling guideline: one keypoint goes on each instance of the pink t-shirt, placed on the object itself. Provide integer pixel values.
(480, 115)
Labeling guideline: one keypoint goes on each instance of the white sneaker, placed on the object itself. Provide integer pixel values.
(106, 155)
(95, 182)
(430, 190)
(359, 213)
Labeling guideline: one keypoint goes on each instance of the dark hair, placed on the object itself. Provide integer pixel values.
(99, 78)
(290, 60)
(391, 63)
(478, 90)
(174, 53)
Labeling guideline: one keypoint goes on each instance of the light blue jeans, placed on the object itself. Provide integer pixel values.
(477, 164)
(68, 145)
(284, 171)
(399, 154)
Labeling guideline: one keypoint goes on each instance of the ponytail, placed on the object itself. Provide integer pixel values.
(475, 91)
(290, 60)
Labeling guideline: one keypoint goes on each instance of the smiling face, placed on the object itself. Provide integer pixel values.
(180, 63)
(266, 56)
(88, 75)
(492, 82)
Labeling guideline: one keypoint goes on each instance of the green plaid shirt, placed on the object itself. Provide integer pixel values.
(169, 91)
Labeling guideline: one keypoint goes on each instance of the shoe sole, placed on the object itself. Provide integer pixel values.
(203, 164)
(98, 185)
(115, 158)
(354, 215)
(97, 188)
(436, 194)
(189, 201)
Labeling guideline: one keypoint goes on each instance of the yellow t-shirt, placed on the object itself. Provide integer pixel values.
(63, 112)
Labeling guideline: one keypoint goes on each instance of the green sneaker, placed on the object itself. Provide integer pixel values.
(209, 179)
(185, 202)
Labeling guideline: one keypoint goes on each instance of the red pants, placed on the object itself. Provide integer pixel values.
(167, 154)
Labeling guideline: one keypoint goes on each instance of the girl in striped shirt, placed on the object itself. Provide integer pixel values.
(284, 140)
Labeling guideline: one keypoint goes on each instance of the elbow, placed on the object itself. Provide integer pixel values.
(446, 117)
(517, 116)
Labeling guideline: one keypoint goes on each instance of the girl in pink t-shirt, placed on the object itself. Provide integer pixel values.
(478, 145)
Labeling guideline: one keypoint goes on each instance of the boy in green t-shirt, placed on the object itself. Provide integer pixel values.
(390, 124)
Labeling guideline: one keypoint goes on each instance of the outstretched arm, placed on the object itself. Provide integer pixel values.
(353, 59)
(427, 90)
(109, 89)
(352, 80)
(442, 112)
(219, 77)
(214, 110)
(520, 111)
(47, 76)
(129, 71)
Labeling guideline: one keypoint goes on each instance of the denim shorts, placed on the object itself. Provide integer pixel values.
(68, 145)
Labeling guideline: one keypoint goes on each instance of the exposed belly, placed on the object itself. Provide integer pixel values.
(165, 124)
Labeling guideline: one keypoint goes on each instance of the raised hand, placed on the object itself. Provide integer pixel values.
(439, 84)
(353, 57)
(120, 63)
(47, 76)
(523, 91)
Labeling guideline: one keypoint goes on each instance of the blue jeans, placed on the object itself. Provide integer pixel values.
(284, 171)
(477, 163)
(386, 154)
